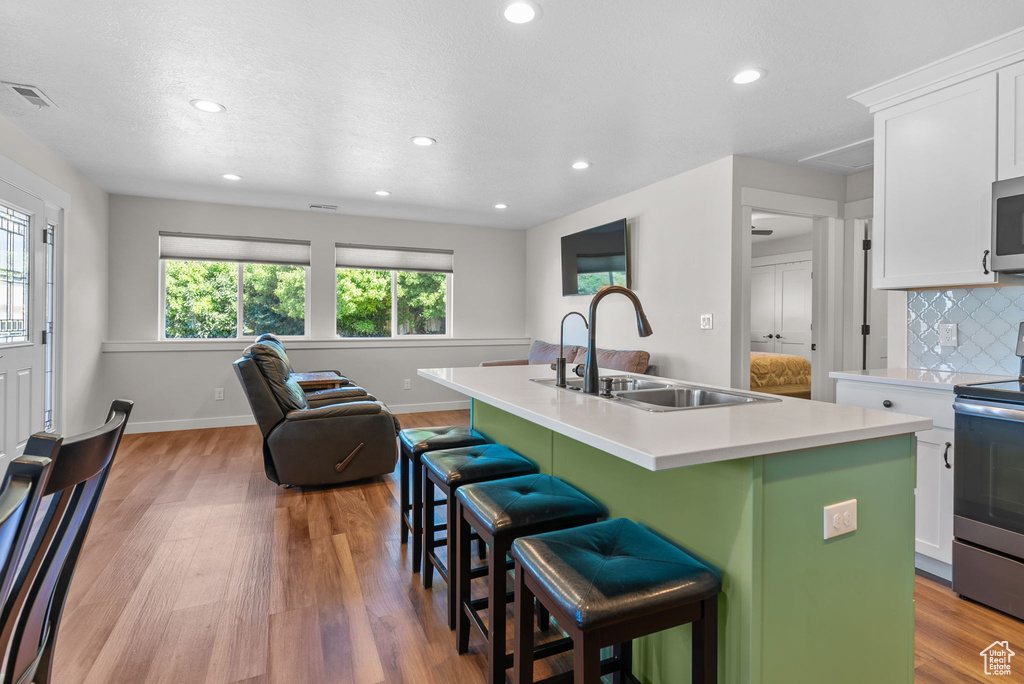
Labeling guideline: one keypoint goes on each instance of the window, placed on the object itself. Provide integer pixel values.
(222, 287)
(14, 275)
(392, 291)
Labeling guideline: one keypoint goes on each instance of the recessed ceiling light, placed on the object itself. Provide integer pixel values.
(208, 106)
(520, 11)
(423, 141)
(748, 76)
(231, 176)
(580, 165)
(501, 206)
(382, 193)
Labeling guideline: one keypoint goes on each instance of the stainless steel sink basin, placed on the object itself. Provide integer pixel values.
(685, 397)
(661, 395)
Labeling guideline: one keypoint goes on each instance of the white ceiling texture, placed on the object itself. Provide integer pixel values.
(323, 96)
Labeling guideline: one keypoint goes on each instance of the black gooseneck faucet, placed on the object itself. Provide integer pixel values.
(590, 374)
(560, 362)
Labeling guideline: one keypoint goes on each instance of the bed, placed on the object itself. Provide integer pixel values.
(781, 374)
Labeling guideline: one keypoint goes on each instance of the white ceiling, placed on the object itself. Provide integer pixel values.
(323, 95)
(782, 226)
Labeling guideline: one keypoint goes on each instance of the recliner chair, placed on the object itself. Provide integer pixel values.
(316, 438)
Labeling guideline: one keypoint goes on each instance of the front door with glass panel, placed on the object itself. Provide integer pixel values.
(22, 317)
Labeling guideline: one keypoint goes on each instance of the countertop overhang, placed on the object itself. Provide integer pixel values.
(660, 441)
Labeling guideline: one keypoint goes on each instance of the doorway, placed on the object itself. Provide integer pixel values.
(781, 304)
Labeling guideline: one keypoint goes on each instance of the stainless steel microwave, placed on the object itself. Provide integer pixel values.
(1008, 225)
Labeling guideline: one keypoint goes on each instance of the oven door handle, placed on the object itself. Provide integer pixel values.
(988, 410)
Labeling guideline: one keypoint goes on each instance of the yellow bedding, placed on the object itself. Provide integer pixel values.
(773, 370)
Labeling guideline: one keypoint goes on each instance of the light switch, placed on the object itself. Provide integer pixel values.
(707, 321)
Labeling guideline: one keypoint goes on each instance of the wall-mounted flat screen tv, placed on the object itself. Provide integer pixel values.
(594, 258)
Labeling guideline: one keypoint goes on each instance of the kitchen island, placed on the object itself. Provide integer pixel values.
(744, 487)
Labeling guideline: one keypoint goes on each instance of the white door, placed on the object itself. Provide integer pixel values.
(22, 318)
(793, 299)
(762, 308)
(935, 161)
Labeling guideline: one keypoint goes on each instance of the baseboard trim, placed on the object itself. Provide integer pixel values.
(235, 421)
(933, 567)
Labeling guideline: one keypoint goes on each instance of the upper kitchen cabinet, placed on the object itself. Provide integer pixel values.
(943, 134)
(1011, 121)
(935, 162)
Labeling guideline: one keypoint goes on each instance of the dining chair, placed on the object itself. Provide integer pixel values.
(32, 611)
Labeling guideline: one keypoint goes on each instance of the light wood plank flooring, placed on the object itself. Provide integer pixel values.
(198, 569)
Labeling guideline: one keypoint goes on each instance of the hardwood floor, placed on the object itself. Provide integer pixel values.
(198, 569)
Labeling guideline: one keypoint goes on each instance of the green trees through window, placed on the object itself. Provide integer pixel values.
(366, 299)
(201, 299)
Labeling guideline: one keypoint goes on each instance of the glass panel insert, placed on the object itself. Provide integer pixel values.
(421, 303)
(200, 299)
(14, 275)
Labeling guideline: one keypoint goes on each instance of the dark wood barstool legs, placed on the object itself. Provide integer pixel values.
(413, 443)
(607, 584)
(447, 470)
(500, 512)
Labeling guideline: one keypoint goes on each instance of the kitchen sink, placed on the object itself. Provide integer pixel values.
(661, 395)
(686, 397)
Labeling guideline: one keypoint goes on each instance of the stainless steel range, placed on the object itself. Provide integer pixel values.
(988, 493)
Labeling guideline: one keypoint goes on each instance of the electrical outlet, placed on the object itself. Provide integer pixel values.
(218, 394)
(408, 384)
(948, 335)
(707, 321)
(840, 518)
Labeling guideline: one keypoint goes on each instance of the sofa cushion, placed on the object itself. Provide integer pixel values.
(629, 360)
(273, 364)
(545, 352)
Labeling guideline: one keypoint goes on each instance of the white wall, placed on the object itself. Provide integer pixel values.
(680, 242)
(85, 278)
(173, 382)
(797, 243)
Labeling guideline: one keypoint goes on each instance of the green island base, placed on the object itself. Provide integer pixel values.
(794, 608)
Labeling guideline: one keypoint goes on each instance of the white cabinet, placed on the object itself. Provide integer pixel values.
(935, 162)
(933, 505)
(780, 308)
(933, 502)
(1011, 121)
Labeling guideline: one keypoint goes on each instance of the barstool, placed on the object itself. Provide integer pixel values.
(501, 511)
(413, 442)
(607, 584)
(449, 469)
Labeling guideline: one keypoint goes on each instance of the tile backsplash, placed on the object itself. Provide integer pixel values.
(987, 319)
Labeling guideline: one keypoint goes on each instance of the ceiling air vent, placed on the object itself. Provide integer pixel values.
(327, 208)
(859, 156)
(34, 96)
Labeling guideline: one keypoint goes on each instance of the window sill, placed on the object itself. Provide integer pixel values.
(237, 346)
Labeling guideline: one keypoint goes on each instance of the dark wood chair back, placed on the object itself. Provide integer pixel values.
(22, 490)
(33, 611)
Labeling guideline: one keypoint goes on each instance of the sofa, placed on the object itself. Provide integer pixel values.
(629, 360)
(319, 437)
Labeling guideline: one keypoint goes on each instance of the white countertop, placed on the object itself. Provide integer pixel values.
(659, 441)
(918, 377)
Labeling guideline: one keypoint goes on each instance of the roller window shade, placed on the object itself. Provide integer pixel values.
(394, 258)
(188, 247)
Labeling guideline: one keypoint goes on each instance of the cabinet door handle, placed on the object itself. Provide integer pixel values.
(984, 262)
(887, 404)
(778, 337)
(768, 337)
(945, 455)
